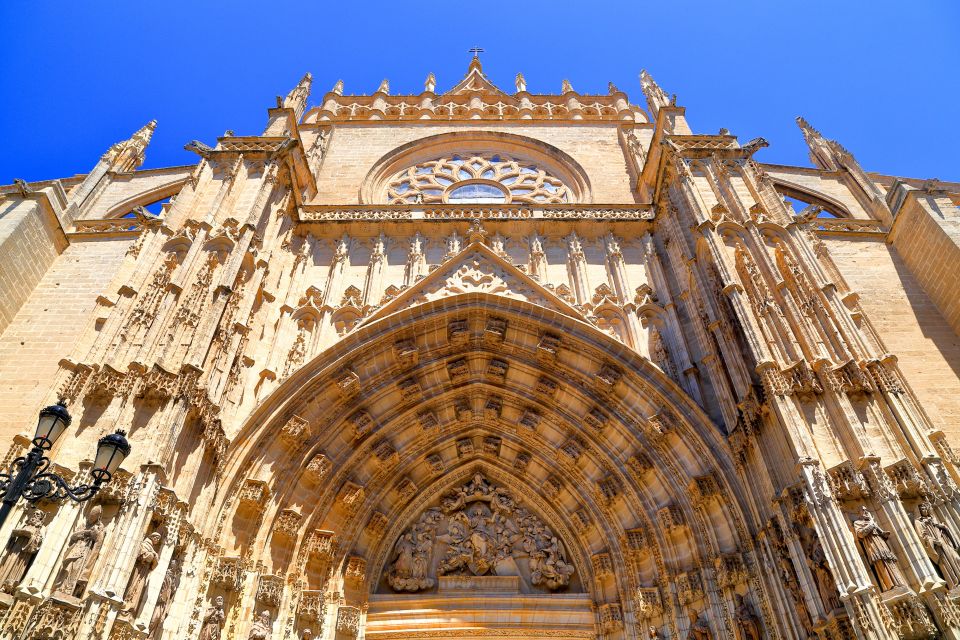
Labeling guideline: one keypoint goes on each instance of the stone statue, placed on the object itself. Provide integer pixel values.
(653, 634)
(940, 544)
(878, 552)
(262, 628)
(213, 621)
(822, 576)
(146, 562)
(306, 635)
(21, 549)
(747, 620)
(699, 629)
(81, 551)
(171, 580)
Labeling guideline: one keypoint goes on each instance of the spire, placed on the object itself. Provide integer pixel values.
(128, 155)
(656, 97)
(521, 83)
(297, 98)
(824, 153)
(384, 87)
(338, 88)
(430, 84)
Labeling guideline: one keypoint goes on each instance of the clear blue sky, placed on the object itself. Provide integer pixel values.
(879, 76)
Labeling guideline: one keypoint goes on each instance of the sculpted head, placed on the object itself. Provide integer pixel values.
(924, 509)
(154, 538)
(35, 519)
(218, 602)
(93, 516)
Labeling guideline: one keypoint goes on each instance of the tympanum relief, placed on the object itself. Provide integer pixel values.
(478, 529)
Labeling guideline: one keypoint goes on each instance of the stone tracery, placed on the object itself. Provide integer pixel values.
(476, 177)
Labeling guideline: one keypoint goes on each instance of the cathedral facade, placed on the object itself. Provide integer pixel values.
(479, 363)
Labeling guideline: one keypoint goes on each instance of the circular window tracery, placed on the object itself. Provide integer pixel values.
(476, 178)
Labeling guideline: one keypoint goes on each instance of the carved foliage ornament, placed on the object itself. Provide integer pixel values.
(477, 529)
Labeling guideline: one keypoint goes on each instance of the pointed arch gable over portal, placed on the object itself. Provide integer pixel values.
(619, 464)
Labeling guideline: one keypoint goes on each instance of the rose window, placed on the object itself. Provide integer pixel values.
(476, 179)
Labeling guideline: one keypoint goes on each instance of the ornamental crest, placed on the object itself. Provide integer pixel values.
(478, 529)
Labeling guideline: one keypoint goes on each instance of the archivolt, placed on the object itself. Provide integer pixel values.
(632, 451)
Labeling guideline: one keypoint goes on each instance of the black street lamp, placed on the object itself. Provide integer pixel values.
(28, 476)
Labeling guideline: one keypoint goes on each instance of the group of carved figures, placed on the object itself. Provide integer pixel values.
(476, 530)
(479, 528)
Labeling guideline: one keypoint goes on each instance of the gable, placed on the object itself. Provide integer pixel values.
(476, 269)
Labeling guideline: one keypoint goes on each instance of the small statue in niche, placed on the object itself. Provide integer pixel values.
(262, 628)
(146, 562)
(81, 552)
(213, 621)
(699, 629)
(21, 549)
(171, 580)
(822, 576)
(747, 620)
(306, 635)
(939, 543)
(653, 634)
(878, 552)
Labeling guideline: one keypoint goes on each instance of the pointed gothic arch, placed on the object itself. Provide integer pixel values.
(625, 466)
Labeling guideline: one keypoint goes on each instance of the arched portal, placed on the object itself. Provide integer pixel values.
(611, 463)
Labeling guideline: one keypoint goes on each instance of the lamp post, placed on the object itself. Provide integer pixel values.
(29, 478)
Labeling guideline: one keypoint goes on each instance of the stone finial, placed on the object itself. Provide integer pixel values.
(128, 155)
(656, 97)
(565, 86)
(430, 84)
(826, 154)
(338, 88)
(297, 98)
(612, 88)
(521, 83)
(384, 87)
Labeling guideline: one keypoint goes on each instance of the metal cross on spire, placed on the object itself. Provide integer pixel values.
(476, 51)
